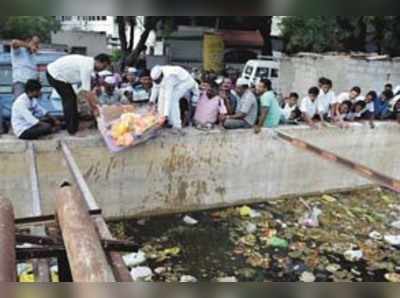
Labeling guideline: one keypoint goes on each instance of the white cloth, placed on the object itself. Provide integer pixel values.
(25, 113)
(287, 111)
(175, 84)
(325, 100)
(24, 66)
(73, 69)
(309, 107)
(342, 97)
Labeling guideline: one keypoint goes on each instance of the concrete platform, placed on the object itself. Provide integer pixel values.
(199, 170)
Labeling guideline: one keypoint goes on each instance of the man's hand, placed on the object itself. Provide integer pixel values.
(257, 129)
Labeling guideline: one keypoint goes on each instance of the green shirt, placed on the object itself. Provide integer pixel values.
(269, 101)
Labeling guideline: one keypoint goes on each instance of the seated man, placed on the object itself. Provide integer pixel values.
(142, 90)
(109, 94)
(271, 112)
(246, 110)
(210, 107)
(326, 98)
(290, 110)
(27, 116)
(309, 107)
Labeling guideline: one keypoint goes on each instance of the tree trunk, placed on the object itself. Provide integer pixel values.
(132, 24)
(149, 25)
(265, 28)
(122, 37)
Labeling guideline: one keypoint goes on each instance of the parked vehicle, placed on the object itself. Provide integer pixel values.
(264, 67)
(43, 58)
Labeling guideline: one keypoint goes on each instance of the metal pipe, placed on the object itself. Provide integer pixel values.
(120, 270)
(7, 242)
(85, 253)
(40, 267)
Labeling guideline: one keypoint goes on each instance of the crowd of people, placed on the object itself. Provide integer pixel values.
(203, 101)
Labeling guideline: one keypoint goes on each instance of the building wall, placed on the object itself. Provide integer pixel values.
(90, 23)
(94, 42)
(300, 73)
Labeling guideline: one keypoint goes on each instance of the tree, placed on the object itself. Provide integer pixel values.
(312, 34)
(27, 26)
(126, 43)
(150, 24)
(342, 33)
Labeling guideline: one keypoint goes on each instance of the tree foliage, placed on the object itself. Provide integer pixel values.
(26, 26)
(342, 33)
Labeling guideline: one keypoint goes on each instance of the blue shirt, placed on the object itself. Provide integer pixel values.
(269, 101)
(24, 65)
(25, 113)
(380, 106)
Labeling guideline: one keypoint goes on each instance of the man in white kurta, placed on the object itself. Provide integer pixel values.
(171, 83)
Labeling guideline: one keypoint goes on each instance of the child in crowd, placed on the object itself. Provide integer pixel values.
(368, 113)
(309, 107)
(109, 94)
(290, 110)
(351, 96)
(381, 105)
(210, 108)
(326, 98)
(344, 114)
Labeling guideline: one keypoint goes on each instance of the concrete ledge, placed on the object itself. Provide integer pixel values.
(198, 170)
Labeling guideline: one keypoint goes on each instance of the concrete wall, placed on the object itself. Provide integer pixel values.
(179, 173)
(298, 74)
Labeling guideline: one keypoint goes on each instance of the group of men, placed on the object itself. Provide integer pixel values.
(177, 96)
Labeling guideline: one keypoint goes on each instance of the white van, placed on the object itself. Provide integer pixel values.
(264, 67)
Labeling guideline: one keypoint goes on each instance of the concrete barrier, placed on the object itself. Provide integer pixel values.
(197, 171)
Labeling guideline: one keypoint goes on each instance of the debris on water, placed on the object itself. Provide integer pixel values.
(228, 279)
(329, 198)
(396, 224)
(393, 239)
(251, 228)
(188, 279)
(141, 273)
(332, 268)
(277, 242)
(141, 222)
(160, 270)
(245, 211)
(307, 277)
(310, 219)
(268, 242)
(190, 220)
(375, 236)
(134, 259)
(353, 255)
(393, 277)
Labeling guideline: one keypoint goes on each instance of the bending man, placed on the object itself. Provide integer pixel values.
(75, 69)
(171, 83)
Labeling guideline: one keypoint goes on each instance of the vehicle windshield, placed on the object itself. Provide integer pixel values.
(274, 73)
(249, 70)
(262, 72)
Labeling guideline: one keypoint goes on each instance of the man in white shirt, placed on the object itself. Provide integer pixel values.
(23, 63)
(309, 107)
(325, 98)
(171, 83)
(75, 69)
(345, 96)
(26, 114)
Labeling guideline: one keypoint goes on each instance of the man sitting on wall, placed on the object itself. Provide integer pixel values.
(29, 120)
(246, 109)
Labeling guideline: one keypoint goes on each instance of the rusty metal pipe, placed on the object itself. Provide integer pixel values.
(85, 253)
(7, 242)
